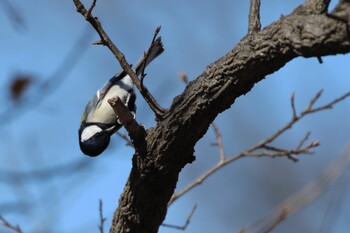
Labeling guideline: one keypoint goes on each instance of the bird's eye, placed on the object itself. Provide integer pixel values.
(101, 133)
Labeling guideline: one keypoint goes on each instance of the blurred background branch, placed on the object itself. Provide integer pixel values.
(299, 200)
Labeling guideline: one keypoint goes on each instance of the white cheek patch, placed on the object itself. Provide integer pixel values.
(89, 131)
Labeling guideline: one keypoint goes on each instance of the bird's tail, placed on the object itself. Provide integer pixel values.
(154, 51)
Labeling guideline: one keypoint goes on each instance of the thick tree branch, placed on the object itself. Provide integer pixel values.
(170, 145)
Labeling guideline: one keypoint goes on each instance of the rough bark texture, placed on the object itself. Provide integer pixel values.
(309, 32)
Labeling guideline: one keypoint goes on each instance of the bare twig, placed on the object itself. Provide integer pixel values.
(292, 100)
(314, 100)
(254, 17)
(183, 77)
(88, 13)
(146, 55)
(97, 42)
(307, 135)
(102, 219)
(267, 150)
(183, 227)
(331, 104)
(127, 140)
(96, 24)
(218, 141)
(10, 226)
(290, 154)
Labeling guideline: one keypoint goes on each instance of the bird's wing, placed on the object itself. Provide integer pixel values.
(100, 94)
(95, 101)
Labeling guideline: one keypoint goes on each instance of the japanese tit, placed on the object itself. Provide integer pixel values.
(99, 121)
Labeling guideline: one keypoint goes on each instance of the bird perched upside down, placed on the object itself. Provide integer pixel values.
(99, 120)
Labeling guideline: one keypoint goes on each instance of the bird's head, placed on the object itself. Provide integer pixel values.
(93, 140)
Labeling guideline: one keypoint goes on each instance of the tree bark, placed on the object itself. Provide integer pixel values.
(308, 31)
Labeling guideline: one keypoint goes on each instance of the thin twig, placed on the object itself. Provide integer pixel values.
(183, 77)
(10, 226)
(127, 140)
(292, 100)
(102, 219)
(96, 24)
(314, 100)
(272, 151)
(254, 17)
(146, 55)
(88, 14)
(307, 135)
(218, 141)
(331, 104)
(309, 110)
(97, 42)
(183, 227)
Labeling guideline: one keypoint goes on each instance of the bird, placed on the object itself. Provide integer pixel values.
(99, 121)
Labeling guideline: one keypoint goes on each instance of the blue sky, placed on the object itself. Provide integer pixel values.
(195, 33)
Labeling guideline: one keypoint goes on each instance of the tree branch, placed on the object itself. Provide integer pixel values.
(183, 227)
(218, 141)
(146, 55)
(105, 40)
(10, 226)
(102, 219)
(254, 24)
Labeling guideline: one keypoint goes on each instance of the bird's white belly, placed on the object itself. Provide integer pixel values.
(105, 111)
